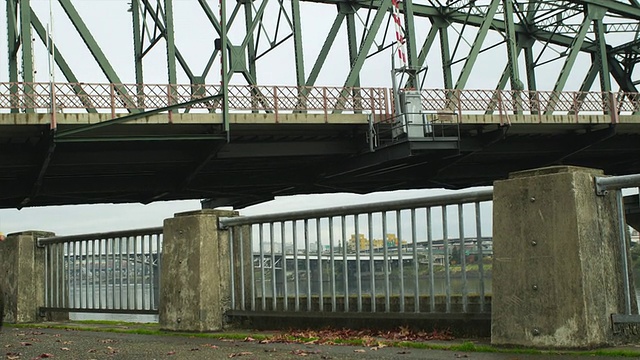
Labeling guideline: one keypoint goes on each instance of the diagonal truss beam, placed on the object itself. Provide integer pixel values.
(477, 45)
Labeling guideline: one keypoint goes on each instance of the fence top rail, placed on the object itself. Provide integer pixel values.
(37, 95)
(604, 183)
(392, 205)
(100, 236)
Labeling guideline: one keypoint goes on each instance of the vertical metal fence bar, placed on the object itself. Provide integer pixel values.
(71, 267)
(333, 265)
(58, 275)
(445, 244)
(146, 269)
(285, 292)
(463, 258)
(624, 254)
(232, 273)
(100, 242)
(158, 281)
(416, 263)
(307, 262)
(358, 265)
(320, 266)
(385, 249)
(480, 255)
(274, 298)
(372, 262)
(345, 265)
(296, 270)
(400, 249)
(113, 273)
(243, 295)
(263, 287)
(85, 269)
(47, 276)
(135, 272)
(93, 274)
(121, 301)
(432, 281)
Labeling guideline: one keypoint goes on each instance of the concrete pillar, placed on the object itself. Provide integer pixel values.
(22, 276)
(195, 287)
(557, 274)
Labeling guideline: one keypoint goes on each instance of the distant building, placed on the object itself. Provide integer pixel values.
(364, 243)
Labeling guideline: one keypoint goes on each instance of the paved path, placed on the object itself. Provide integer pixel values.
(36, 343)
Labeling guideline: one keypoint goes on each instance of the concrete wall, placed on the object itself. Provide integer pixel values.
(557, 275)
(194, 286)
(22, 276)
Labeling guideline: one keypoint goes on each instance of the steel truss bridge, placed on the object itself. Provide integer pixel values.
(83, 124)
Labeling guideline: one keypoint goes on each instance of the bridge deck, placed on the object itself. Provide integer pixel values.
(96, 157)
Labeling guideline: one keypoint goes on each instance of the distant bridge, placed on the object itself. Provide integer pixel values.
(115, 143)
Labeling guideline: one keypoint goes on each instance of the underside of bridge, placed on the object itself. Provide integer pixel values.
(145, 163)
(516, 46)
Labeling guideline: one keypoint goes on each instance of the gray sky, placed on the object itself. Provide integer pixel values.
(113, 33)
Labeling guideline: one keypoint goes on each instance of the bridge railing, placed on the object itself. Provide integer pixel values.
(114, 272)
(118, 98)
(537, 103)
(415, 256)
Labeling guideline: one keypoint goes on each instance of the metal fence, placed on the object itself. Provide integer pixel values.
(121, 98)
(115, 272)
(422, 255)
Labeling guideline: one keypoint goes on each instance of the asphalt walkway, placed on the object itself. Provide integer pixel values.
(109, 343)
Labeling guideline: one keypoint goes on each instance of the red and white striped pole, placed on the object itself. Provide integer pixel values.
(400, 38)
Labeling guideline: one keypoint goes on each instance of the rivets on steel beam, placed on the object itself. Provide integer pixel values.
(535, 332)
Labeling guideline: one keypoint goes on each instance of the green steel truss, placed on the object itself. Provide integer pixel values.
(505, 44)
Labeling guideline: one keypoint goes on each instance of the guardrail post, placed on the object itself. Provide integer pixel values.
(613, 107)
(556, 268)
(195, 289)
(22, 276)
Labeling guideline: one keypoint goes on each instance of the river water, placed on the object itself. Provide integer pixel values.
(144, 297)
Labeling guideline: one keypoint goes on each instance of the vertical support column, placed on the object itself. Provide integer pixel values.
(557, 270)
(195, 283)
(22, 282)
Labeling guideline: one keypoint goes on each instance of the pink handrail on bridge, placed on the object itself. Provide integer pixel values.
(117, 98)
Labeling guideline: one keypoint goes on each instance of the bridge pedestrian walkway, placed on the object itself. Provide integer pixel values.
(71, 341)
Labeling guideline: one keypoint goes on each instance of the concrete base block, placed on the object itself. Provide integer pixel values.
(557, 274)
(22, 276)
(195, 289)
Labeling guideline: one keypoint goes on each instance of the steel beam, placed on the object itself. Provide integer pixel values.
(477, 45)
(326, 47)
(90, 41)
(297, 42)
(171, 45)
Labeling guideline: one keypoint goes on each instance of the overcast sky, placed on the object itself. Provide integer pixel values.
(115, 30)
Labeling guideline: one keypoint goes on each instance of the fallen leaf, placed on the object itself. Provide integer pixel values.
(65, 349)
(171, 352)
(359, 350)
(25, 344)
(243, 353)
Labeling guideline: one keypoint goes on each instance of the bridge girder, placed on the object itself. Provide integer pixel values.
(267, 34)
